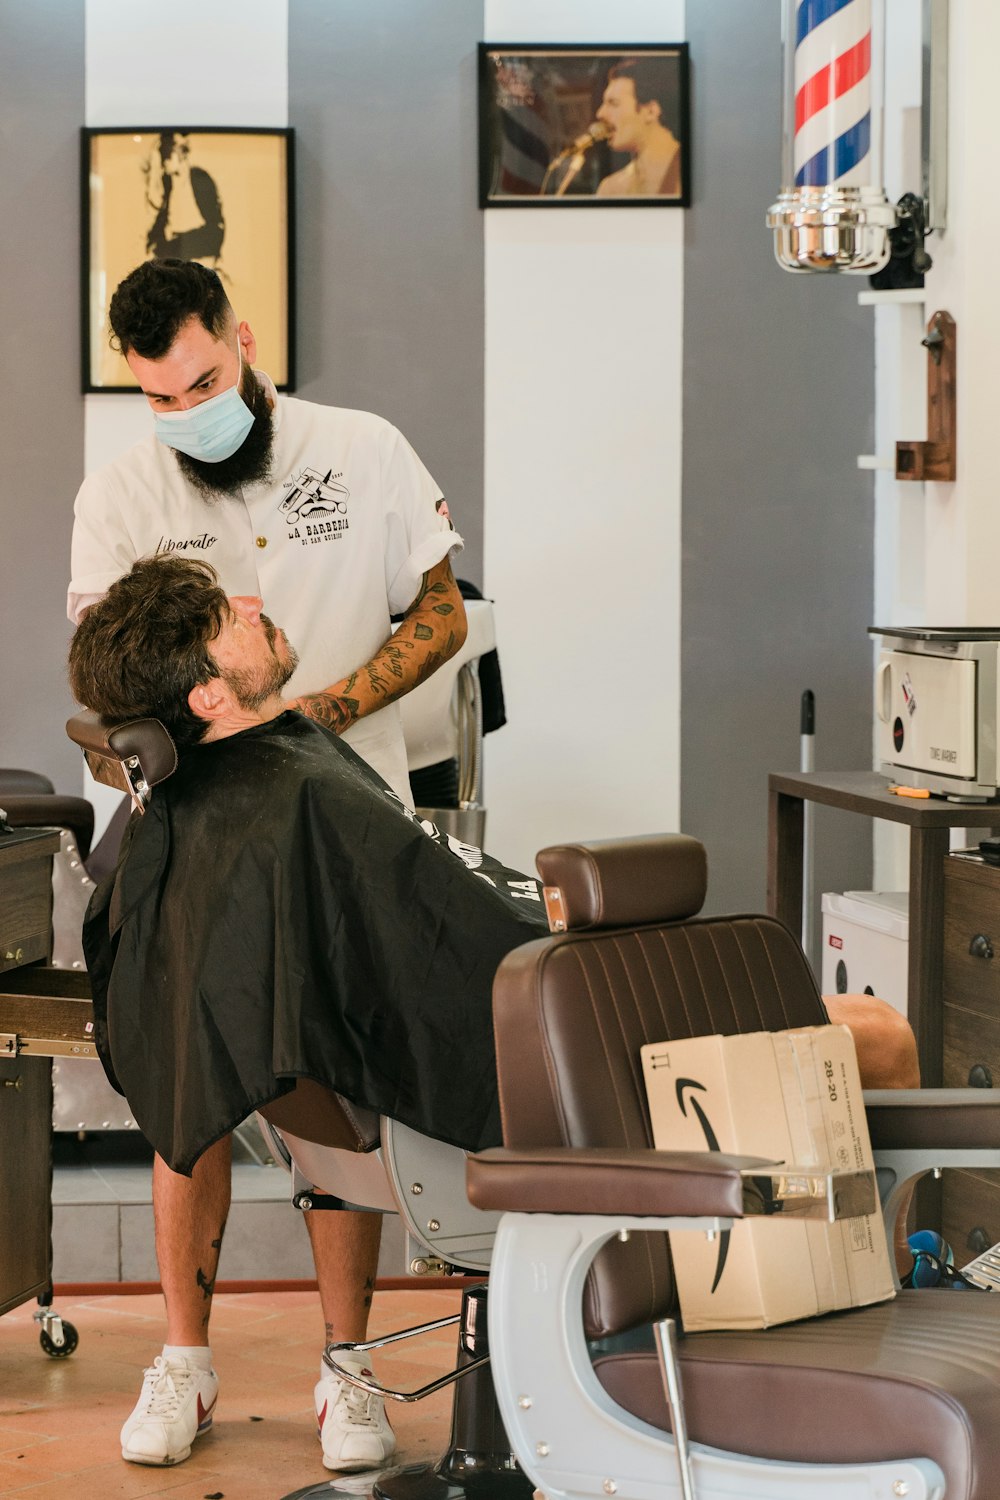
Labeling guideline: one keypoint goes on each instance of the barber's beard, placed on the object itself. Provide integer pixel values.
(252, 689)
(251, 462)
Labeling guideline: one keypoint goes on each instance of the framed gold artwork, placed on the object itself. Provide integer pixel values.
(221, 196)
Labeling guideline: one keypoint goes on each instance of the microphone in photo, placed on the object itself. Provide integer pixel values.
(597, 131)
(573, 156)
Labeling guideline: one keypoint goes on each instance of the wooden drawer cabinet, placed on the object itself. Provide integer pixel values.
(25, 1178)
(971, 995)
(26, 895)
(971, 975)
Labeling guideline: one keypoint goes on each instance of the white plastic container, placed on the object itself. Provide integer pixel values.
(866, 945)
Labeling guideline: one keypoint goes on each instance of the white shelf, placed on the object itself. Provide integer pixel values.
(915, 294)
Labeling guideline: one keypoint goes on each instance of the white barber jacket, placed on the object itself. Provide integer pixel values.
(337, 541)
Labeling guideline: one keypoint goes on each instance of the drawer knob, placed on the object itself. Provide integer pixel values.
(980, 1077)
(981, 947)
(16, 954)
(12, 1083)
(978, 1241)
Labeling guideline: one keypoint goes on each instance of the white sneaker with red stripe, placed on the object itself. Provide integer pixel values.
(353, 1427)
(175, 1406)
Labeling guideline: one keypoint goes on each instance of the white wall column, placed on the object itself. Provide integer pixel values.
(963, 519)
(189, 64)
(584, 312)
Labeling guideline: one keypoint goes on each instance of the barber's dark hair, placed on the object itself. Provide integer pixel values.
(140, 650)
(652, 78)
(155, 300)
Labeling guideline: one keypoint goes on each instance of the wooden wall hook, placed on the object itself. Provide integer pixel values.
(936, 459)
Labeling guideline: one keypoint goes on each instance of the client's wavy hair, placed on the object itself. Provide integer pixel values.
(140, 650)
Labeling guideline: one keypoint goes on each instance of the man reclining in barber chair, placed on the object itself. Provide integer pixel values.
(278, 914)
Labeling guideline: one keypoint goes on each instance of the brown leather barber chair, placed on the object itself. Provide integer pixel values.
(897, 1399)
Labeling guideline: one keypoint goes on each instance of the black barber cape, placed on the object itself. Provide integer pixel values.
(277, 913)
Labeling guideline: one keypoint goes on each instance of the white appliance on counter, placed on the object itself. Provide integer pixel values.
(936, 707)
(866, 945)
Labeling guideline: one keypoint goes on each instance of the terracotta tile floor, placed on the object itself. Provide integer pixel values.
(59, 1419)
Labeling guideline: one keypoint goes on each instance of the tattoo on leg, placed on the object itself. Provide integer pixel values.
(369, 1289)
(207, 1284)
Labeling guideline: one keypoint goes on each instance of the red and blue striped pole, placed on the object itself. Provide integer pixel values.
(833, 94)
(832, 213)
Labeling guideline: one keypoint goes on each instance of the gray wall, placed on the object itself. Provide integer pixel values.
(777, 527)
(41, 110)
(390, 256)
(777, 521)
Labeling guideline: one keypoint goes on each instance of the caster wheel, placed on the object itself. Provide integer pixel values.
(60, 1351)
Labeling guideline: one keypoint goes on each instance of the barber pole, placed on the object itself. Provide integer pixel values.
(833, 96)
(832, 213)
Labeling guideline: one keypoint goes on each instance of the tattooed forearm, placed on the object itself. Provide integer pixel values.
(336, 713)
(435, 659)
(433, 629)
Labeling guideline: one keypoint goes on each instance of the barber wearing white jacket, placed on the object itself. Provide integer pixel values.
(330, 518)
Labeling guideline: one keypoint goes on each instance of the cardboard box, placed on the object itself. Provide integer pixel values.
(792, 1097)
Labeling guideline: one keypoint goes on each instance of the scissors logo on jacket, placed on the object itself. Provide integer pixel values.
(314, 494)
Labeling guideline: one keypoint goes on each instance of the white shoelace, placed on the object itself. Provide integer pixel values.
(360, 1404)
(168, 1385)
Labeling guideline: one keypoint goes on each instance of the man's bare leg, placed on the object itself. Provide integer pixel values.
(179, 1390)
(345, 1248)
(190, 1215)
(887, 1059)
(353, 1427)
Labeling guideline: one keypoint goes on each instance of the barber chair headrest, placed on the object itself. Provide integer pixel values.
(135, 756)
(657, 877)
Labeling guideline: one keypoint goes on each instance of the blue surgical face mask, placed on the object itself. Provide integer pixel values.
(212, 430)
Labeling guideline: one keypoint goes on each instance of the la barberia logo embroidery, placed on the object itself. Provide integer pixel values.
(315, 507)
(187, 543)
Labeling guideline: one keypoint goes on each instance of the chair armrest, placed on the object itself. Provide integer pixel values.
(573, 1180)
(936, 1119)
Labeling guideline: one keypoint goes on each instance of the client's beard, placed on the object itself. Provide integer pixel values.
(253, 688)
(252, 460)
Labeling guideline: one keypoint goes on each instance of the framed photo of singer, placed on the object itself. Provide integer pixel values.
(219, 195)
(566, 126)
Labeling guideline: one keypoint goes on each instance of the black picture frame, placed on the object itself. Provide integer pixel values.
(543, 145)
(223, 195)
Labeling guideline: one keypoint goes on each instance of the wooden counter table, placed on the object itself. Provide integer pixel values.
(929, 821)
